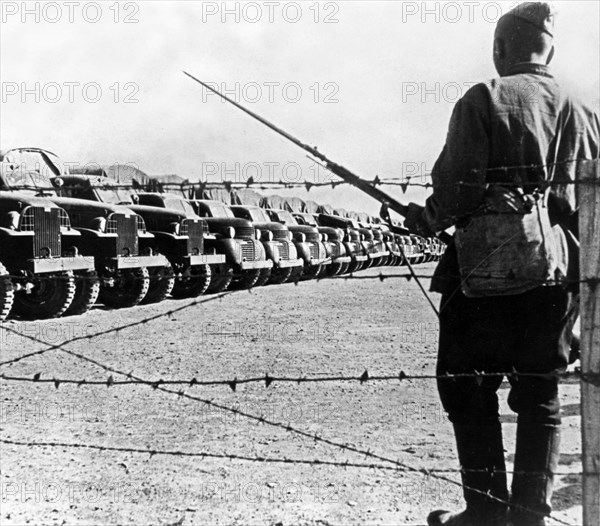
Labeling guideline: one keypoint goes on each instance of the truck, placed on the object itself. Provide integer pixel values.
(277, 240)
(275, 237)
(308, 239)
(238, 240)
(39, 258)
(352, 238)
(110, 234)
(333, 238)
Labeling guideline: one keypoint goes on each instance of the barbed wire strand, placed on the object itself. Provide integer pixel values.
(269, 379)
(262, 459)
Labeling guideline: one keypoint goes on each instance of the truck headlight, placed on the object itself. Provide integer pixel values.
(324, 238)
(258, 234)
(229, 232)
(267, 236)
(301, 237)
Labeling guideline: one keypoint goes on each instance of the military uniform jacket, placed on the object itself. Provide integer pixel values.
(522, 130)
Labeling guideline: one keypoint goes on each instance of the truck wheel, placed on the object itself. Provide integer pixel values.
(87, 289)
(130, 287)
(296, 274)
(354, 266)
(220, 279)
(332, 270)
(280, 275)
(263, 279)
(162, 281)
(50, 297)
(312, 272)
(195, 281)
(7, 293)
(344, 269)
(247, 280)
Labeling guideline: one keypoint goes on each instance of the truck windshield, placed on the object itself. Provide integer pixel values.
(179, 204)
(220, 211)
(113, 194)
(286, 218)
(258, 215)
(308, 219)
(40, 161)
(28, 182)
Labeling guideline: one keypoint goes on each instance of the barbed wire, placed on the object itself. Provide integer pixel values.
(266, 460)
(308, 185)
(400, 180)
(269, 379)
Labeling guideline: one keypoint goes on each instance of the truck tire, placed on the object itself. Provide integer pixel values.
(247, 280)
(312, 272)
(162, 281)
(264, 277)
(280, 275)
(344, 269)
(296, 274)
(332, 270)
(354, 266)
(130, 287)
(7, 293)
(50, 297)
(87, 289)
(194, 282)
(221, 278)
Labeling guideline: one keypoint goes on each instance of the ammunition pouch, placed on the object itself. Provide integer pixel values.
(508, 246)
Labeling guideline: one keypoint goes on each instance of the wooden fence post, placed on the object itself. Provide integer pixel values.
(589, 233)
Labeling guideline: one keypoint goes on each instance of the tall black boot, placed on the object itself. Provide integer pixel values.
(481, 456)
(536, 460)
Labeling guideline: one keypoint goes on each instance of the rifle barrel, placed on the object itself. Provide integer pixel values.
(335, 168)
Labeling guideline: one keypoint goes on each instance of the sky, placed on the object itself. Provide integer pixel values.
(371, 83)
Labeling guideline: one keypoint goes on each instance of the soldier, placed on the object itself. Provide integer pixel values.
(503, 306)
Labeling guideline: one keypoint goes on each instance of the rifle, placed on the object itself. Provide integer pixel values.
(345, 174)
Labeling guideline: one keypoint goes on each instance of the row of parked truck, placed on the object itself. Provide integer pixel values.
(70, 239)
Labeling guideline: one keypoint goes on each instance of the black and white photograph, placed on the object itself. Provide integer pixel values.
(299, 263)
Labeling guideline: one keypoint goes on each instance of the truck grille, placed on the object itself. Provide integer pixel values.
(284, 250)
(248, 252)
(194, 229)
(45, 223)
(314, 251)
(126, 229)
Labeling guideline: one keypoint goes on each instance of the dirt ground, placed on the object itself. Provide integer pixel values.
(316, 328)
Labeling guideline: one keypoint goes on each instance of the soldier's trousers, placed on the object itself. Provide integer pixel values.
(527, 333)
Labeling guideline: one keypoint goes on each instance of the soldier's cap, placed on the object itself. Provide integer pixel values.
(538, 14)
